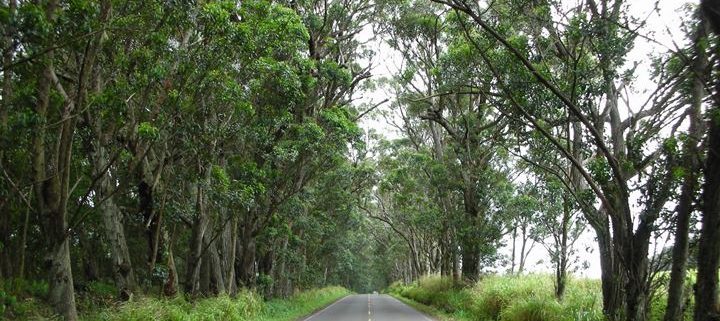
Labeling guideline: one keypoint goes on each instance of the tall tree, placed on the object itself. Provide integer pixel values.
(706, 300)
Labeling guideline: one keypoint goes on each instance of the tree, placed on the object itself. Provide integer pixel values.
(708, 253)
(690, 162)
(618, 159)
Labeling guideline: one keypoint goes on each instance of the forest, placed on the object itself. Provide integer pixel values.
(261, 159)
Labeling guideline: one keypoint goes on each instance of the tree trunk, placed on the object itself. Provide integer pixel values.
(23, 244)
(455, 263)
(561, 265)
(111, 216)
(217, 280)
(637, 287)
(229, 245)
(170, 288)
(61, 294)
(470, 248)
(150, 218)
(8, 52)
(199, 227)
(5, 106)
(706, 301)
(51, 177)
(706, 292)
(246, 257)
(523, 254)
(281, 279)
(691, 162)
(611, 282)
(470, 262)
(204, 279)
(514, 239)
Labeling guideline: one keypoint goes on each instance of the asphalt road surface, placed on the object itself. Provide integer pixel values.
(368, 307)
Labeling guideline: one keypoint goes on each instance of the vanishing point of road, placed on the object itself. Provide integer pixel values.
(368, 307)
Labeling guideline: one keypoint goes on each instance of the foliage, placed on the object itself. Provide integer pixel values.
(244, 306)
(301, 304)
(512, 298)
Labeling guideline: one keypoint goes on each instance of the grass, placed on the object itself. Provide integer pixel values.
(511, 298)
(245, 306)
(97, 303)
(301, 304)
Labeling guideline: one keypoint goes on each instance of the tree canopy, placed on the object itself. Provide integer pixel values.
(204, 148)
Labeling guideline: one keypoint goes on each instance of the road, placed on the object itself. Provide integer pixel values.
(368, 307)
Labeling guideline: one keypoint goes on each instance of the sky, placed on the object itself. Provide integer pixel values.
(663, 26)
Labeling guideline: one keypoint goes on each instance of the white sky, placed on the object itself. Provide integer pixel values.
(662, 25)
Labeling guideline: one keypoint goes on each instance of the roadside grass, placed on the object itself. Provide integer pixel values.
(435, 313)
(244, 306)
(302, 304)
(21, 300)
(514, 298)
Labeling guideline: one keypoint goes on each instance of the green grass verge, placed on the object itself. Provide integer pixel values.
(512, 298)
(98, 303)
(302, 304)
(244, 306)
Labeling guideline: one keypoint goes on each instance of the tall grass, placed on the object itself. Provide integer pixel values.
(301, 304)
(514, 298)
(244, 306)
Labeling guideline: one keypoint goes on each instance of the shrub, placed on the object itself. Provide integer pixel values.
(19, 298)
(25, 288)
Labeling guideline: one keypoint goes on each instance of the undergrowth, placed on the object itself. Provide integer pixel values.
(244, 306)
(24, 300)
(515, 298)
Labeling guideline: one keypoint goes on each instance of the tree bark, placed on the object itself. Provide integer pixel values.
(561, 265)
(611, 282)
(706, 292)
(514, 239)
(111, 216)
(691, 163)
(246, 257)
(51, 174)
(5, 106)
(229, 245)
(23, 244)
(170, 288)
(217, 279)
(199, 227)
(54, 193)
(151, 220)
(470, 261)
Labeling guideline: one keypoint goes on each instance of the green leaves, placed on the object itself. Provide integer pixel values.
(600, 169)
(148, 131)
(332, 71)
(221, 177)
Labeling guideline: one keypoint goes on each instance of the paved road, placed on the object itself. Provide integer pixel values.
(368, 307)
